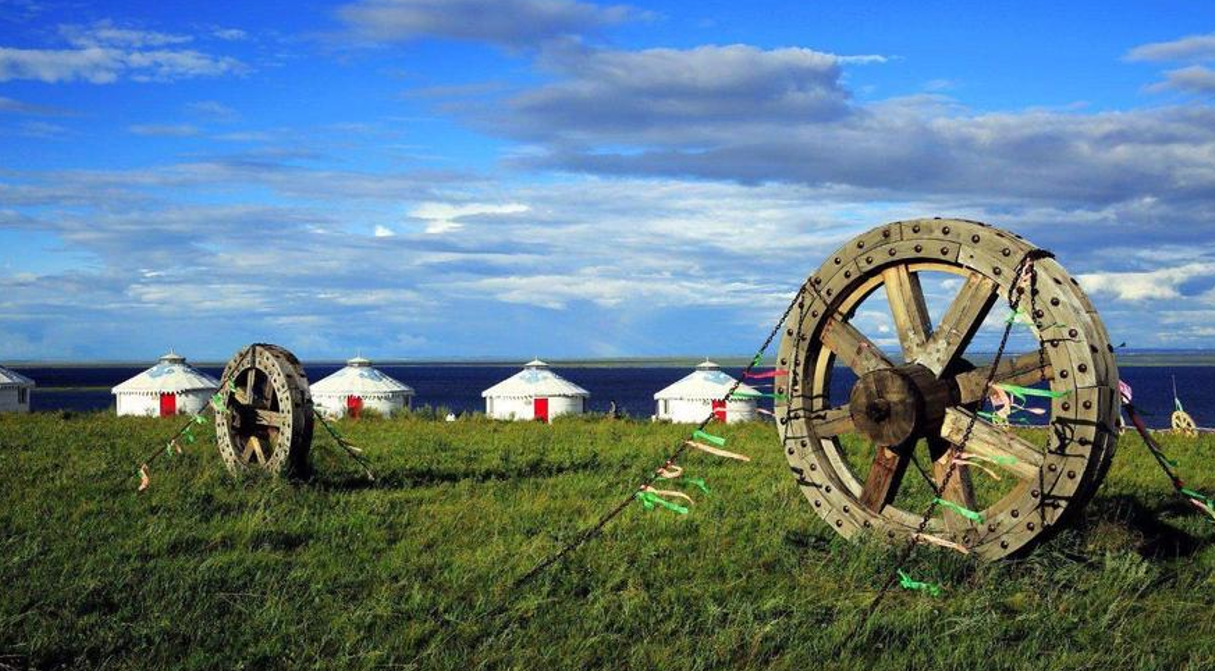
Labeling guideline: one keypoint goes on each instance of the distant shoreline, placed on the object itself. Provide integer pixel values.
(1129, 358)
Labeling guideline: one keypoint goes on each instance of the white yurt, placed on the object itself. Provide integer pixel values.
(359, 387)
(170, 387)
(535, 392)
(693, 397)
(15, 390)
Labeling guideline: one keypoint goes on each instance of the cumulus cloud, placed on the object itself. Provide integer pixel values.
(1162, 283)
(103, 53)
(751, 115)
(503, 22)
(1192, 48)
(1191, 79)
(688, 96)
(446, 217)
(105, 33)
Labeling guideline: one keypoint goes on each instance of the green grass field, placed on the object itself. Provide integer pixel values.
(206, 572)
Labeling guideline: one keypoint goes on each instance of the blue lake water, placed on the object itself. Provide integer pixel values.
(458, 387)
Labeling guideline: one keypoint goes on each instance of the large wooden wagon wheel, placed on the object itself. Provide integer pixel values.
(267, 421)
(908, 407)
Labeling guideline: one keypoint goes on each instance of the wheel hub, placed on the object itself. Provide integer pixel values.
(894, 406)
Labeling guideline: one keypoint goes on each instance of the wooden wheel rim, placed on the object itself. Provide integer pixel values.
(272, 433)
(1077, 352)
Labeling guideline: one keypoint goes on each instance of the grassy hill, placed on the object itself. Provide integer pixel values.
(206, 572)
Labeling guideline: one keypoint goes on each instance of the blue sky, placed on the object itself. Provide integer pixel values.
(473, 178)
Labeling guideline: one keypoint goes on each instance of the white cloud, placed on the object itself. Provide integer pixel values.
(164, 130)
(1192, 48)
(664, 96)
(1191, 79)
(384, 232)
(212, 110)
(103, 53)
(444, 217)
(1160, 284)
(11, 106)
(507, 22)
(230, 34)
(105, 33)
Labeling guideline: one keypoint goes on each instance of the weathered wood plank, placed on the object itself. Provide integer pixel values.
(990, 441)
(831, 422)
(963, 318)
(907, 306)
(884, 478)
(959, 490)
(1026, 369)
(852, 347)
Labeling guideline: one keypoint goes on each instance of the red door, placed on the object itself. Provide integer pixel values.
(540, 409)
(168, 405)
(719, 410)
(354, 405)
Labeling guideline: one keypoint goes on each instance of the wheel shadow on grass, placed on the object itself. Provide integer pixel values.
(1120, 522)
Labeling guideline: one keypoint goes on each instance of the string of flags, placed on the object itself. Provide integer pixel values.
(709, 443)
(217, 403)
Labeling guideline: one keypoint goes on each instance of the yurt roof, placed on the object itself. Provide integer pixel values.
(170, 375)
(11, 378)
(359, 377)
(536, 379)
(707, 382)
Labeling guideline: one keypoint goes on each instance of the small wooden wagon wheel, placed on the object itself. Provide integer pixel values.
(851, 455)
(267, 418)
(1183, 424)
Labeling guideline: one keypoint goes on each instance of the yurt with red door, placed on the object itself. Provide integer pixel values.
(534, 393)
(359, 387)
(169, 388)
(702, 391)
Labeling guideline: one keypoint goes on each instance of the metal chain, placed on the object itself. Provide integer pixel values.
(957, 449)
(595, 529)
(346, 445)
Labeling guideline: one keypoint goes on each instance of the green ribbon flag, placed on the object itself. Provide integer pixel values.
(969, 514)
(907, 582)
(650, 500)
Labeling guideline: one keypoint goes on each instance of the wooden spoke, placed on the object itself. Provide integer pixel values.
(960, 323)
(884, 477)
(958, 490)
(267, 392)
(907, 306)
(250, 393)
(852, 347)
(832, 421)
(270, 418)
(1026, 369)
(990, 441)
(254, 447)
